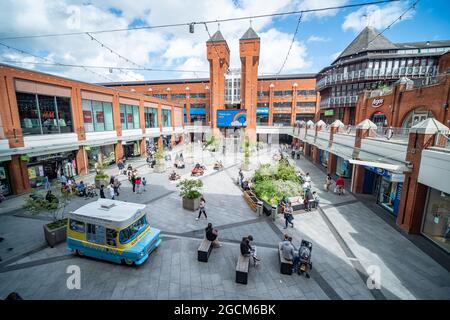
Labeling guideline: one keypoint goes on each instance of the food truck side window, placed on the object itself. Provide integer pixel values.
(127, 234)
(111, 236)
(77, 226)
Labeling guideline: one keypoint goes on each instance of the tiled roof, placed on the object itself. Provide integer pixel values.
(367, 40)
(249, 35)
(217, 37)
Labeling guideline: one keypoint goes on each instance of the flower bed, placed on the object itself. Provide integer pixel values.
(273, 181)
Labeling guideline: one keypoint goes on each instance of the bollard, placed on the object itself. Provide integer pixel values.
(259, 208)
(274, 212)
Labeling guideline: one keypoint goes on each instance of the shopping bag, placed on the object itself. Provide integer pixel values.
(335, 189)
(325, 186)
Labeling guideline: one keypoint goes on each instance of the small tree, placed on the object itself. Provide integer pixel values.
(159, 155)
(246, 151)
(190, 188)
(56, 207)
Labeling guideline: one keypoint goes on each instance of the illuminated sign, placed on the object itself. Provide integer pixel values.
(377, 103)
(232, 118)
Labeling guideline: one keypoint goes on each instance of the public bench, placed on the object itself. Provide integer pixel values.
(251, 199)
(204, 250)
(285, 265)
(242, 267)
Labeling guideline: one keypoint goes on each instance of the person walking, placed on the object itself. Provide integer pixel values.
(120, 166)
(241, 178)
(316, 199)
(138, 185)
(212, 234)
(102, 191)
(328, 182)
(202, 209)
(340, 185)
(287, 214)
(47, 183)
(111, 191)
(116, 186)
(309, 199)
(144, 183)
(133, 181)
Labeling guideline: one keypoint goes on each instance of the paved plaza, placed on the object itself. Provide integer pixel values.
(348, 240)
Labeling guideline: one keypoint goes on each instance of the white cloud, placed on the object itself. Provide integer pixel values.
(163, 48)
(314, 38)
(319, 4)
(376, 16)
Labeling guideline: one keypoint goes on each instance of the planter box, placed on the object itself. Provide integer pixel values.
(191, 204)
(98, 183)
(55, 236)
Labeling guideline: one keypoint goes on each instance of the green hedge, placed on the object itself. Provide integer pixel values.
(272, 182)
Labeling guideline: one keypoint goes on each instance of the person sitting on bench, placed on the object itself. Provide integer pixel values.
(288, 252)
(212, 234)
(248, 250)
(174, 176)
(198, 170)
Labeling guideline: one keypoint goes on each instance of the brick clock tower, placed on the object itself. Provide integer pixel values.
(218, 55)
(249, 45)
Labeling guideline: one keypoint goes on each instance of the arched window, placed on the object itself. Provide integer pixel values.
(415, 116)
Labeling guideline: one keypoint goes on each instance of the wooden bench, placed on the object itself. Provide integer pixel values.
(285, 265)
(242, 266)
(251, 199)
(204, 250)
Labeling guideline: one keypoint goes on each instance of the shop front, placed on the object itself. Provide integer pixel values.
(343, 168)
(5, 184)
(104, 155)
(50, 165)
(385, 185)
(167, 141)
(131, 149)
(323, 156)
(436, 218)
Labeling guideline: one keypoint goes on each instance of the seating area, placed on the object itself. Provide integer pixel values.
(285, 265)
(251, 199)
(204, 250)
(242, 267)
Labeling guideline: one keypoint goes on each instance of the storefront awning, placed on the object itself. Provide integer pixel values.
(96, 143)
(382, 165)
(35, 152)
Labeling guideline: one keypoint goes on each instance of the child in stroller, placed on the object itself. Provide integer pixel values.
(304, 254)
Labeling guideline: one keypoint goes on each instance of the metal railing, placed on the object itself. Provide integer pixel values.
(370, 74)
(390, 133)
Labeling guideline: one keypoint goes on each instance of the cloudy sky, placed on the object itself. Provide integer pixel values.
(320, 38)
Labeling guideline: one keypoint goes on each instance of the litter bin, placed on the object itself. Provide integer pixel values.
(274, 212)
(259, 208)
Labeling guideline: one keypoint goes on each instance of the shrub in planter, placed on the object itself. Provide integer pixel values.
(190, 193)
(54, 232)
(159, 156)
(101, 178)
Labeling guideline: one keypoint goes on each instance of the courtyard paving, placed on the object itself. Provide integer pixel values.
(347, 238)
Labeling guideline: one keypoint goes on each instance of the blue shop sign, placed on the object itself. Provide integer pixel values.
(262, 111)
(394, 177)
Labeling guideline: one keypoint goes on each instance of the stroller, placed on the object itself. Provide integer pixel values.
(91, 192)
(304, 254)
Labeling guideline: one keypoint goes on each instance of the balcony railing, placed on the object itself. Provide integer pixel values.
(390, 133)
(371, 74)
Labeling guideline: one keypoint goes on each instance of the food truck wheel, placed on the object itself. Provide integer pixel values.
(128, 262)
(79, 253)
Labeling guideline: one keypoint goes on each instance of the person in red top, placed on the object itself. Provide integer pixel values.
(340, 185)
